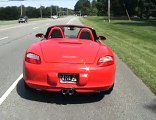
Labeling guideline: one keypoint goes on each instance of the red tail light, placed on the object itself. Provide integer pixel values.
(105, 61)
(32, 58)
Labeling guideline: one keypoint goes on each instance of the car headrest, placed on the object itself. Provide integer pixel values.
(56, 32)
(85, 33)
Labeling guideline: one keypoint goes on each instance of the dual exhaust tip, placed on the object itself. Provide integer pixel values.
(68, 91)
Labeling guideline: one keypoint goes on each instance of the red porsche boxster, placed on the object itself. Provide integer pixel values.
(69, 59)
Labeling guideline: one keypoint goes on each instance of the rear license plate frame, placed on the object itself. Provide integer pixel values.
(68, 78)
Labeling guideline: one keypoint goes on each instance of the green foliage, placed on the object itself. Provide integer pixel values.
(130, 5)
(83, 6)
(142, 8)
(32, 12)
(9, 13)
(102, 7)
(93, 9)
(146, 8)
(14, 12)
(117, 8)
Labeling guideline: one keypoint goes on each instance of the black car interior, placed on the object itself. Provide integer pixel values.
(81, 32)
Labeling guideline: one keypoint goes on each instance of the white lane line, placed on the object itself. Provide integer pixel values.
(35, 28)
(3, 38)
(18, 26)
(71, 20)
(9, 28)
(5, 95)
(12, 27)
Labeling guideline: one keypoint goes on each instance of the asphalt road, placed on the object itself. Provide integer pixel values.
(130, 100)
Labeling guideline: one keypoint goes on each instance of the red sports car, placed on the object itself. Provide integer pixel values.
(69, 59)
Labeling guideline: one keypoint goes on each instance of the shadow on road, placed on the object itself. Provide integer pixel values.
(57, 98)
(151, 106)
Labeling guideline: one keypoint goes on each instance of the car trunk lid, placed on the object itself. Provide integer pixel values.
(69, 51)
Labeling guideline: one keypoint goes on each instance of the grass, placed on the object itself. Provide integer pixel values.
(10, 22)
(134, 42)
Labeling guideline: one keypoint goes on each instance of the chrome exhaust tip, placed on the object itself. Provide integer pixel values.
(64, 91)
(71, 91)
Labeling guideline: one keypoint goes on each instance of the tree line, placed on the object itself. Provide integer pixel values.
(14, 12)
(140, 8)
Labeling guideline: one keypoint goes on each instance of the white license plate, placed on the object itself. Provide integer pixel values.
(68, 78)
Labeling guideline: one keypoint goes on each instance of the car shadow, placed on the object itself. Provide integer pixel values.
(151, 106)
(56, 98)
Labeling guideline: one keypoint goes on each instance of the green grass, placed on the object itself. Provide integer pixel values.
(134, 42)
(10, 22)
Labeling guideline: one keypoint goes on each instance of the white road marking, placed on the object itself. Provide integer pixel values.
(71, 20)
(22, 25)
(3, 38)
(35, 28)
(5, 95)
(10, 28)
(18, 26)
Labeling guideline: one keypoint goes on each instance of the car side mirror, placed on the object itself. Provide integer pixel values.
(40, 35)
(102, 38)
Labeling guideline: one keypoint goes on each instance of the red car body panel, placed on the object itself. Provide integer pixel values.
(68, 51)
(69, 56)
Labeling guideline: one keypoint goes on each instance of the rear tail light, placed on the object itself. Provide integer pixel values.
(32, 58)
(105, 61)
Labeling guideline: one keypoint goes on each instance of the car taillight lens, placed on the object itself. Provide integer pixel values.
(32, 58)
(105, 61)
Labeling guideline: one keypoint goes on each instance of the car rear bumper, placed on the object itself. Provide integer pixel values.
(91, 77)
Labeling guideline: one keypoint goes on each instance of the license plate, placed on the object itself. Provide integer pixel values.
(68, 78)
